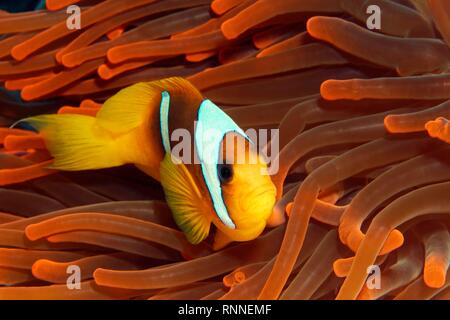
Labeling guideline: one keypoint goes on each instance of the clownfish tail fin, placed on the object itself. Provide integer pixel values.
(76, 142)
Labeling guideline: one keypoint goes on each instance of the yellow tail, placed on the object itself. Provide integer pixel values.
(77, 142)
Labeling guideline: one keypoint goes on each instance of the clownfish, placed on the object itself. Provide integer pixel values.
(135, 126)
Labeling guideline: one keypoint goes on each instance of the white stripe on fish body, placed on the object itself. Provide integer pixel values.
(212, 126)
(164, 120)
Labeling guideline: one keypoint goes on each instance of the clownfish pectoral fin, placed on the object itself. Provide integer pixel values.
(75, 142)
(189, 209)
(221, 240)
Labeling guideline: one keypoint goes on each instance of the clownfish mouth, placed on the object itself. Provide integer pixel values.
(255, 206)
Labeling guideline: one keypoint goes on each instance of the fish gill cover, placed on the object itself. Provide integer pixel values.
(364, 165)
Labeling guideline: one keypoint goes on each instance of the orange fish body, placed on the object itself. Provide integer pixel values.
(138, 125)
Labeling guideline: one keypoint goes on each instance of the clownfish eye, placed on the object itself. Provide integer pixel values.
(225, 172)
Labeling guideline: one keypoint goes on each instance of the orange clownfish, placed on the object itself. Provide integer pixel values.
(135, 126)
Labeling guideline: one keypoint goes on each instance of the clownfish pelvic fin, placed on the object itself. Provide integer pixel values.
(189, 208)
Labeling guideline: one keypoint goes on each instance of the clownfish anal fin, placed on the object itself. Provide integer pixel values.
(189, 209)
(221, 240)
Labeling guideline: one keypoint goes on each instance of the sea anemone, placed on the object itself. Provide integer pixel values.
(364, 161)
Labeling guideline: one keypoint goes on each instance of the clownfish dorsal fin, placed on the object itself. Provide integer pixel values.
(190, 211)
(128, 108)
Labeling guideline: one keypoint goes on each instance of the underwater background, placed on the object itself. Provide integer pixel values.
(364, 155)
